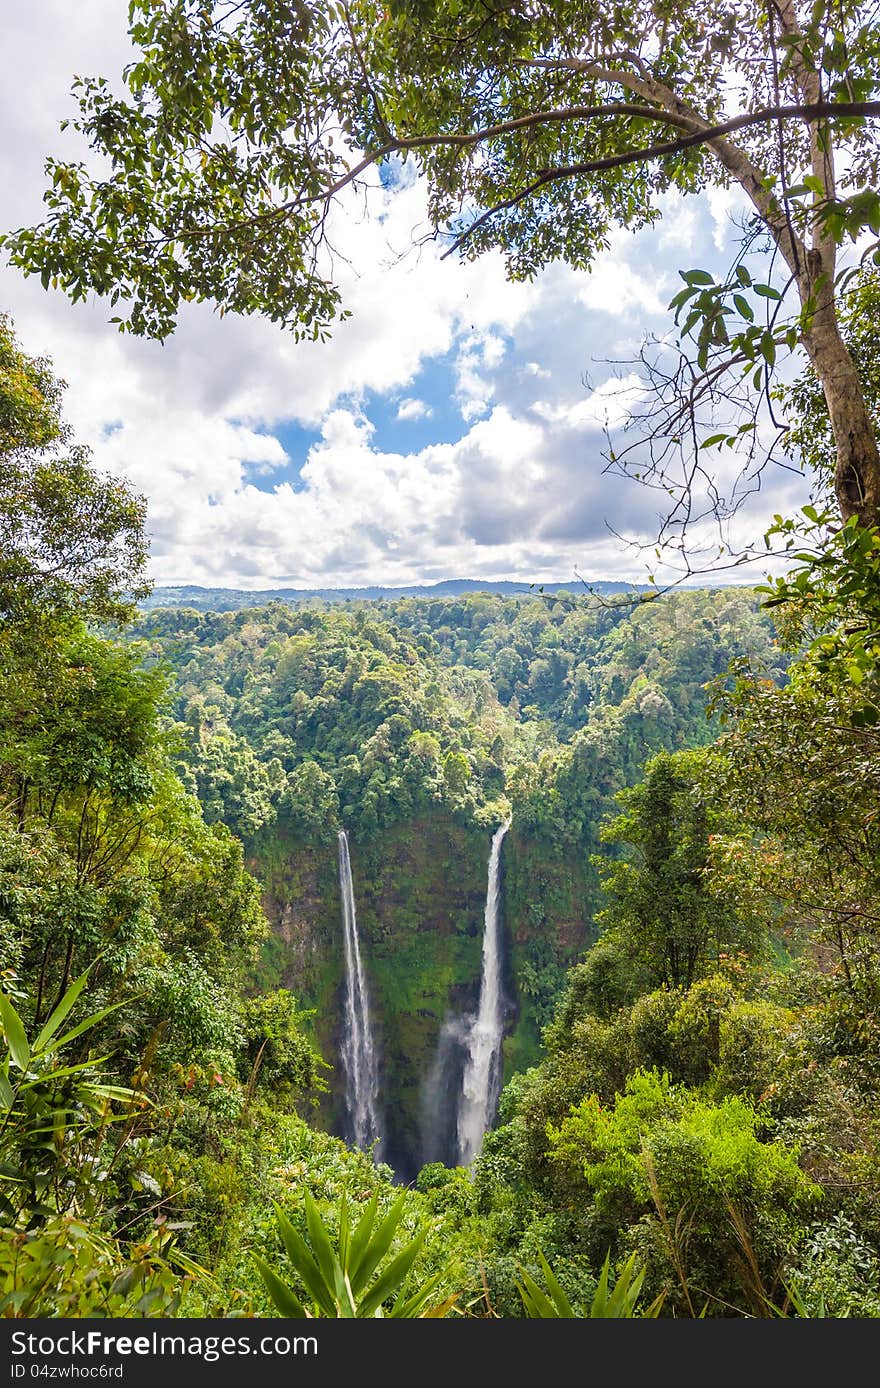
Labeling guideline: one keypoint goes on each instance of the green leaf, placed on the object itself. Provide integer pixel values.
(344, 1235)
(65, 1071)
(409, 1306)
(697, 277)
(392, 1277)
(89, 1022)
(321, 1248)
(284, 1298)
(15, 1033)
(360, 1239)
(60, 1012)
(744, 308)
(304, 1264)
(536, 1302)
(768, 349)
(377, 1246)
(560, 1300)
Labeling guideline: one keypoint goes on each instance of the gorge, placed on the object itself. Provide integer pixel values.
(421, 726)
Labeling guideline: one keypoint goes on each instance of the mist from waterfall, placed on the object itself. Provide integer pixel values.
(481, 1082)
(358, 1049)
(441, 1092)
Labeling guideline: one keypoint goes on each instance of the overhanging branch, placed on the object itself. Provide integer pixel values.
(810, 112)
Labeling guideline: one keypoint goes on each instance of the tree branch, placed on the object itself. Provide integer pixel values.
(711, 134)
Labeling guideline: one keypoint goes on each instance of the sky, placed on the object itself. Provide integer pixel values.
(453, 426)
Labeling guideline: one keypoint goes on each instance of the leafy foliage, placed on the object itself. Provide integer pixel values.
(340, 1281)
(613, 1301)
(70, 539)
(54, 1111)
(662, 914)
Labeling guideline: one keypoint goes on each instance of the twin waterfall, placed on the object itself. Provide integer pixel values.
(481, 1084)
(358, 1051)
(474, 1041)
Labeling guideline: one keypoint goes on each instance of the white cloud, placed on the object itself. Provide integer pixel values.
(413, 409)
(607, 407)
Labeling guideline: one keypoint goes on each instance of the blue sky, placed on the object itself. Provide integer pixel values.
(452, 427)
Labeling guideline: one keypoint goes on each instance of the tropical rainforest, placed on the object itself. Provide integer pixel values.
(688, 886)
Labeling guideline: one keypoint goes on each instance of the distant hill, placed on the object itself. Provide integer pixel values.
(232, 599)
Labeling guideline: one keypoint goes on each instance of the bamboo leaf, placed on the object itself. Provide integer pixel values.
(57, 1016)
(89, 1022)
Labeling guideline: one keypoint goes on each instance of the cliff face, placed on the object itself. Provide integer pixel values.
(420, 889)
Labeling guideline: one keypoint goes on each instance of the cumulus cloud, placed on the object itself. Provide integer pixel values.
(414, 409)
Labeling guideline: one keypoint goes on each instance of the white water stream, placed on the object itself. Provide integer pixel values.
(481, 1084)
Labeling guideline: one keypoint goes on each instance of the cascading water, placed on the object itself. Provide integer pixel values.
(481, 1084)
(358, 1051)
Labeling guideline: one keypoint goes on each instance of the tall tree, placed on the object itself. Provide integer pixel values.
(71, 540)
(540, 124)
(661, 912)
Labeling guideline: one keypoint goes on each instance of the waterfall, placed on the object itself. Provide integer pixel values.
(481, 1084)
(358, 1052)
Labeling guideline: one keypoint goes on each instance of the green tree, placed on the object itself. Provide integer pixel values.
(662, 913)
(831, 595)
(70, 539)
(801, 781)
(310, 801)
(279, 1052)
(713, 1201)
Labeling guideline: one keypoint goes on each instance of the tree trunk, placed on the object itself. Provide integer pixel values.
(857, 468)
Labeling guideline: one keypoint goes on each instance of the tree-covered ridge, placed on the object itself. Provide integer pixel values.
(562, 656)
(369, 713)
(326, 717)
